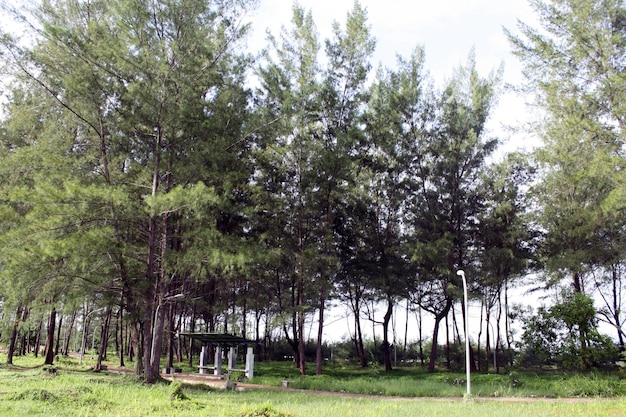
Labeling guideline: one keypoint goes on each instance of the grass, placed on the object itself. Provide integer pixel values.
(70, 390)
(416, 382)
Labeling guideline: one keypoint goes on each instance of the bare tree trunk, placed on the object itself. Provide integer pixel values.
(136, 343)
(480, 335)
(433, 351)
(496, 363)
(120, 335)
(320, 335)
(104, 339)
(170, 336)
(359, 341)
(49, 349)
(406, 330)
(37, 339)
(447, 350)
(58, 341)
(14, 333)
(68, 335)
(192, 328)
(386, 344)
(301, 340)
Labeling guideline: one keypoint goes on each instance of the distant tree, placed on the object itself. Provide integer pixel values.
(566, 334)
(506, 239)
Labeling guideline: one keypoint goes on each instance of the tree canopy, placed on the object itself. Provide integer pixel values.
(157, 177)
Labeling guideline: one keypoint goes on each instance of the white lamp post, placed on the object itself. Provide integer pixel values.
(164, 300)
(467, 344)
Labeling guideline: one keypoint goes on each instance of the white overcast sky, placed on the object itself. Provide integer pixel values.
(446, 29)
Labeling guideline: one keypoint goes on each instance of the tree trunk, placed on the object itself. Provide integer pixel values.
(146, 344)
(617, 308)
(447, 348)
(433, 351)
(120, 335)
(359, 341)
(37, 339)
(301, 342)
(170, 336)
(480, 335)
(104, 339)
(68, 335)
(58, 341)
(320, 335)
(420, 334)
(301, 345)
(14, 333)
(386, 344)
(49, 350)
(136, 345)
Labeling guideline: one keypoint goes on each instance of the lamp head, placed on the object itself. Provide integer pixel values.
(460, 272)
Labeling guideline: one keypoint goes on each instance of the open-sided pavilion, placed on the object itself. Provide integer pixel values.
(221, 341)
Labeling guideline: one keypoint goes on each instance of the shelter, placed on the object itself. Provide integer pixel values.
(220, 341)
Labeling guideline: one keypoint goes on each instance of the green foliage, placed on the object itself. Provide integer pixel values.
(176, 391)
(573, 61)
(566, 334)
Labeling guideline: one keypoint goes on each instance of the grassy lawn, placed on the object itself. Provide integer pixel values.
(28, 389)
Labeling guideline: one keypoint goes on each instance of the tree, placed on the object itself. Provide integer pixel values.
(343, 96)
(566, 334)
(506, 238)
(450, 158)
(307, 158)
(574, 62)
(397, 114)
(289, 92)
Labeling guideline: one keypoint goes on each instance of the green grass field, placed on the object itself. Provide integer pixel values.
(28, 389)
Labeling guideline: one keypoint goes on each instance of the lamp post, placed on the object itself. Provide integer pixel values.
(164, 300)
(467, 344)
(83, 341)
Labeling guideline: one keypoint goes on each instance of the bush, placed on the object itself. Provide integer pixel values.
(176, 392)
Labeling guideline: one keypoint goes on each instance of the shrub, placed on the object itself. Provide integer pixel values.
(176, 392)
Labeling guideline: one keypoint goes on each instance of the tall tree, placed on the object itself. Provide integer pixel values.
(574, 62)
(399, 110)
(343, 96)
(449, 162)
(290, 98)
(308, 156)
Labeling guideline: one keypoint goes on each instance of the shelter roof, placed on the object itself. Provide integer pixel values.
(223, 339)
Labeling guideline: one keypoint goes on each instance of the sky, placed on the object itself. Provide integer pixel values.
(446, 29)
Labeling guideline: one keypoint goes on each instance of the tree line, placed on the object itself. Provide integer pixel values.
(157, 175)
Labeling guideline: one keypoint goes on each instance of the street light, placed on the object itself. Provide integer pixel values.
(164, 300)
(467, 345)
